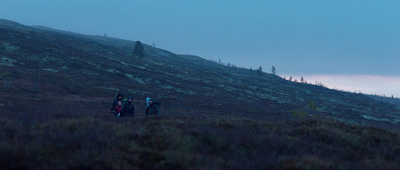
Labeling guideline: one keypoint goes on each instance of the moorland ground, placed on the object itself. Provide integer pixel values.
(57, 88)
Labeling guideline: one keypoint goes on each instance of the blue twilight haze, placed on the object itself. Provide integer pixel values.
(298, 37)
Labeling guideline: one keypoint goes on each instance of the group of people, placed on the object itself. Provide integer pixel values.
(125, 107)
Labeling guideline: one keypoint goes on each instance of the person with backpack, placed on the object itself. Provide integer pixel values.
(118, 109)
(148, 100)
(153, 108)
(118, 98)
(128, 109)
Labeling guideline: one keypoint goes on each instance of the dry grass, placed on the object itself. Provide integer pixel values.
(40, 140)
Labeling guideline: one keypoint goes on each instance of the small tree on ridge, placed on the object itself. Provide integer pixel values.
(138, 52)
(273, 70)
(259, 71)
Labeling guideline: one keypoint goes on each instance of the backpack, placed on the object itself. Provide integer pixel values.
(124, 101)
(156, 102)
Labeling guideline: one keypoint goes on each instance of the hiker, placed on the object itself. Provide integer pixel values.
(118, 97)
(128, 109)
(148, 100)
(153, 108)
(118, 109)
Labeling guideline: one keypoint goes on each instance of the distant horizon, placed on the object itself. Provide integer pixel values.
(365, 84)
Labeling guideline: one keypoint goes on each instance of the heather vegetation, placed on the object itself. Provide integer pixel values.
(43, 62)
(97, 141)
(57, 88)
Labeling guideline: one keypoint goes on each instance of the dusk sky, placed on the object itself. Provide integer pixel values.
(346, 44)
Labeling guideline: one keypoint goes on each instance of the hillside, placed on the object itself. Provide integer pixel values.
(82, 141)
(57, 87)
(41, 66)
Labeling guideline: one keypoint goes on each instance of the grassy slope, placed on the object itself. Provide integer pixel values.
(55, 113)
(44, 63)
(82, 141)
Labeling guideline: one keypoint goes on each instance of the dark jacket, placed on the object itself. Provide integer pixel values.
(153, 109)
(128, 109)
(115, 103)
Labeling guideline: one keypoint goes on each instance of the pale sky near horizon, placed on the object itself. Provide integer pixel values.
(336, 38)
